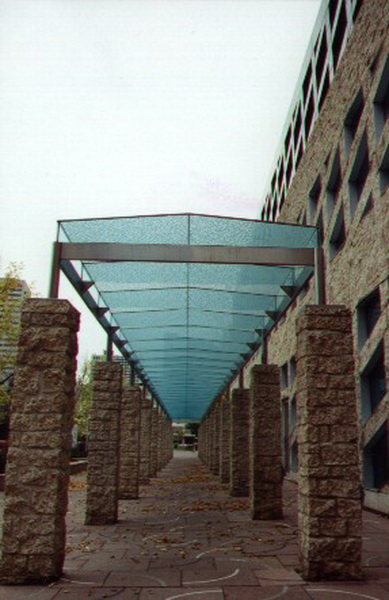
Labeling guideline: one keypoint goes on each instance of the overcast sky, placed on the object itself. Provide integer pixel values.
(125, 107)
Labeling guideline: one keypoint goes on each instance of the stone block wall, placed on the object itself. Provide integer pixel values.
(329, 477)
(145, 439)
(37, 474)
(215, 466)
(266, 469)
(239, 465)
(103, 456)
(225, 438)
(154, 442)
(129, 442)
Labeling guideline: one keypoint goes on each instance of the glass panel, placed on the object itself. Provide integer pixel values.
(189, 326)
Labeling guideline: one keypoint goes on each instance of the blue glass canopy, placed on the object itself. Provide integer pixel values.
(186, 298)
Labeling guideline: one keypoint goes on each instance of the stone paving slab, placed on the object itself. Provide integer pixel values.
(171, 543)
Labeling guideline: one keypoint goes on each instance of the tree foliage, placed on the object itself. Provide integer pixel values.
(192, 428)
(84, 384)
(9, 335)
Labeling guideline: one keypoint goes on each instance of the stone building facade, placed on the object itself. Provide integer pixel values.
(341, 185)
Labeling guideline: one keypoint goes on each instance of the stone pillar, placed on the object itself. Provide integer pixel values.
(266, 469)
(103, 454)
(145, 438)
(167, 439)
(170, 439)
(209, 439)
(329, 466)
(239, 467)
(225, 437)
(154, 442)
(216, 437)
(159, 443)
(37, 474)
(129, 443)
(207, 435)
(200, 441)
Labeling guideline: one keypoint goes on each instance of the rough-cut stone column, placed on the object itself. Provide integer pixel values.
(239, 472)
(225, 438)
(167, 439)
(216, 438)
(329, 470)
(145, 438)
(266, 469)
(160, 435)
(212, 445)
(37, 474)
(154, 442)
(209, 439)
(207, 455)
(103, 454)
(200, 441)
(129, 443)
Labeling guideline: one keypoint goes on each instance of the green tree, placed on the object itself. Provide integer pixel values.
(9, 335)
(84, 384)
(192, 428)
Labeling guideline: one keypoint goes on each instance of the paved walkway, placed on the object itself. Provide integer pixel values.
(187, 538)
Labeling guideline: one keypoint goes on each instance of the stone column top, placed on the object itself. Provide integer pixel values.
(49, 305)
(267, 373)
(40, 312)
(105, 370)
(320, 316)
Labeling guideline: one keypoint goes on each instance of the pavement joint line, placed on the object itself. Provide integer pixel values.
(66, 580)
(164, 522)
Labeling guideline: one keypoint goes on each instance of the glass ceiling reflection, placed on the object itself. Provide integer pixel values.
(187, 327)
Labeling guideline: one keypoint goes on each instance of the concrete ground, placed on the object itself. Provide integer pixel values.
(187, 538)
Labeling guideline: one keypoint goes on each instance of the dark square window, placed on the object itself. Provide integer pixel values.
(381, 101)
(320, 225)
(357, 8)
(309, 112)
(337, 43)
(332, 7)
(324, 89)
(368, 313)
(287, 141)
(338, 235)
(314, 196)
(292, 371)
(352, 120)
(373, 383)
(284, 376)
(307, 80)
(359, 173)
(333, 186)
(321, 57)
(384, 172)
(375, 459)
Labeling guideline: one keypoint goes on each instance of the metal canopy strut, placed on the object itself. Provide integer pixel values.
(187, 299)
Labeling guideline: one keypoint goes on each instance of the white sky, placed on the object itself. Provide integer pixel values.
(125, 107)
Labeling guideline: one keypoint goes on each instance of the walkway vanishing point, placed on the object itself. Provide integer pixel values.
(187, 538)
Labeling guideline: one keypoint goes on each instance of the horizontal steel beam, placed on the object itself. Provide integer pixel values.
(168, 253)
